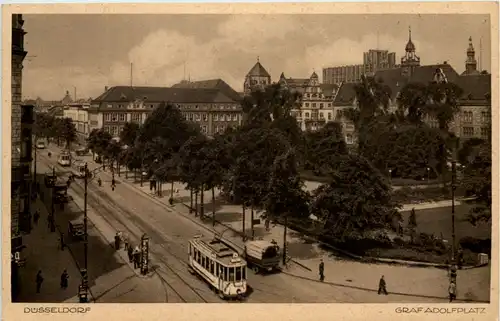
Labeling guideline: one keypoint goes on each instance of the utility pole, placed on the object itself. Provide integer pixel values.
(52, 210)
(453, 187)
(84, 272)
(285, 249)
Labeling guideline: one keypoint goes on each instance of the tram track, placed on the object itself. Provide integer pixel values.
(109, 208)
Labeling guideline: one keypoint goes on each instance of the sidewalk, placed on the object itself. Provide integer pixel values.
(41, 245)
(424, 283)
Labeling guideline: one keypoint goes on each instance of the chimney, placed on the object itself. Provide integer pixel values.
(105, 88)
(445, 62)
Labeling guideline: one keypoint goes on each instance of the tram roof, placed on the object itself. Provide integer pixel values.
(216, 248)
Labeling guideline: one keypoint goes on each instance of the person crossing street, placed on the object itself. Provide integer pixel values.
(382, 286)
(322, 271)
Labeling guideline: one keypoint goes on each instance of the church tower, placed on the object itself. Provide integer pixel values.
(257, 78)
(471, 62)
(410, 60)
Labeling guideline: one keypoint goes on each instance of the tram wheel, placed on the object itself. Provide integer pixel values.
(255, 269)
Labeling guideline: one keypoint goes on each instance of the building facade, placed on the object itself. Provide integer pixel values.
(21, 124)
(211, 109)
(337, 75)
(256, 78)
(316, 103)
(78, 113)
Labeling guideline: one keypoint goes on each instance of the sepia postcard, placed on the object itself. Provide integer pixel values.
(301, 160)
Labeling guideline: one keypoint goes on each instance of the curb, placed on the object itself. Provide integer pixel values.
(374, 290)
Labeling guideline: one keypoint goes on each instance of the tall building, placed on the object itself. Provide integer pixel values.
(346, 74)
(20, 151)
(257, 78)
(471, 62)
(375, 60)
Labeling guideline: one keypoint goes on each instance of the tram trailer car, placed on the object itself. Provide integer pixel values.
(262, 255)
(64, 159)
(221, 267)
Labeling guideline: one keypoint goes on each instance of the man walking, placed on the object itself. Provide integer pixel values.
(64, 280)
(137, 257)
(382, 286)
(36, 217)
(130, 252)
(322, 271)
(39, 281)
(452, 291)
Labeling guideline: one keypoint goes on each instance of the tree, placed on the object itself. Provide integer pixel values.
(129, 133)
(477, 183)
(98, 142)
(412, 220)
(68, 131)
(324, 147)
(113, 151)
(356, 201)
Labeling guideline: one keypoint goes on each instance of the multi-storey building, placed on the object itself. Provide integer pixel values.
(337, 75)
(316, 103)
(78, 113)
(375, 60)
(256, 78)
(211, 109)
(21, 122)
(474, 118)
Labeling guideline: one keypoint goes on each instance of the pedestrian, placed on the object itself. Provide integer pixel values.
(322, 271)
(452, 290)
(117, 241)
(460, 258)
(64, 280)
(137, 255)
(267, 222)
(382, 286)
(36, 217)
(130, 252)
(400, 228)
(453, 272)
(39, 281)
(61, 240)
(125, 241)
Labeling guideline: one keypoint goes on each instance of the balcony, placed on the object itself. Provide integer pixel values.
(315, 119)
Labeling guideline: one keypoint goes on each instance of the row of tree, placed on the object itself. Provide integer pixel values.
(60, 130)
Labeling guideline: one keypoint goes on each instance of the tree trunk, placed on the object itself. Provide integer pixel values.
(251, 222)
(243, 236)
(172, 189)
(196, 203)
(191, 200)
(213, 206)
(126, 172)
(118, 167)
(202, 200)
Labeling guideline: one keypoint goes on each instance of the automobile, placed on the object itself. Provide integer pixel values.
(40, 145)
(76, 228)
(81, 152)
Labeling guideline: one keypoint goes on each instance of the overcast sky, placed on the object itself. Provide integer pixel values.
(92, 51)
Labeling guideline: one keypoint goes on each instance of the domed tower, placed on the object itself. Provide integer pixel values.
(257, 78)
(471, 62)
(410, 60)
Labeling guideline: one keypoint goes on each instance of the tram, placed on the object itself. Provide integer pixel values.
(64, 159)
(222, 268)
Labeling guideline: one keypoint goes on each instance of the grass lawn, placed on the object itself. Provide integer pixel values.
(438, 220)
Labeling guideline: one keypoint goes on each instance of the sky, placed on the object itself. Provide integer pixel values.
(87, 52)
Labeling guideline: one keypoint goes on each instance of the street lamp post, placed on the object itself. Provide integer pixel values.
(453, 187)
(428, 175)
(390, 176)
(52, 210)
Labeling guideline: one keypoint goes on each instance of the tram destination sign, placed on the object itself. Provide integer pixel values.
(144, 254)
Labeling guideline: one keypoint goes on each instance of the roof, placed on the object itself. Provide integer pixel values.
(164, 94)
(475, 87)
(345, 95)
(395, 79)
(258, 71)
(215, 247)
(329, 89)
(211, 84)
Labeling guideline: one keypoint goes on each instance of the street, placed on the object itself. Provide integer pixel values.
(133, 213)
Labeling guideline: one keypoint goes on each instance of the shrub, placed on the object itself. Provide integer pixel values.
(476, 245)
(399, 241)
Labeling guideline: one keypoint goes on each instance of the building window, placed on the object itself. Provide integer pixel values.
(313, 105)
(216, 117)
(348, 139)
(123, 117)
(191, 117)
(204, 129)
(216, 129)
(205, 117)
(221, 128)
(307, 115)
(136, 117)
(321, 105)
(321, 116)
(307, 104)
(330, 116)
(485, 131)
(198, 117)
(107, 117)
(485, 117)
(468, 131)
(228, 117)
(467, 117)
(235, 117)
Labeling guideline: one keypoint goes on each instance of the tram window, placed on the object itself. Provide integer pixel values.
(203, 262)
(244, 272)
(231, 274)
(198, 257)
(238, 274)
(212, 267)
(225, 274)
